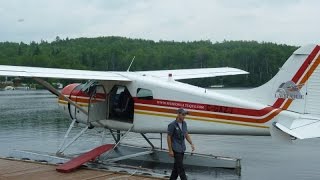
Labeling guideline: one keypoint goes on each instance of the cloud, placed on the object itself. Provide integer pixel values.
(287, 21)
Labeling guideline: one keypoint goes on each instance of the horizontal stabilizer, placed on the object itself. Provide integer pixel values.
(194, 73)
(302, 128)
(24, 71)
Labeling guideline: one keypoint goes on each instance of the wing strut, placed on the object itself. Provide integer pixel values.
(56, 92)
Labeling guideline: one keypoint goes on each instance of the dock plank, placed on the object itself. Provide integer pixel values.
(7, 167)
(21, 170)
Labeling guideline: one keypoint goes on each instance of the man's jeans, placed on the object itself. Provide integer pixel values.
(178, 168)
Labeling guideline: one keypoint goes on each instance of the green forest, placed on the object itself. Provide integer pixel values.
(262, 60)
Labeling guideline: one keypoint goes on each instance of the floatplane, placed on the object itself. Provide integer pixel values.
(286, 107)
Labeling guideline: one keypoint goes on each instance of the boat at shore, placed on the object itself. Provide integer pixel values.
(9, 88)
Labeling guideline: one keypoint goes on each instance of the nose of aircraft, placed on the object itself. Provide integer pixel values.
(69, 88)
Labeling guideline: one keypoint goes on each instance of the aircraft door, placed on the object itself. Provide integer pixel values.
(78, 97)
(97, 104)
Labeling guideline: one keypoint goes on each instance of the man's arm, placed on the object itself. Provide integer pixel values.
(170, 145)
(190, 141)
(169, 139)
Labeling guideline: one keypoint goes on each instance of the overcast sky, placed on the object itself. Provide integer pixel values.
(294, 22)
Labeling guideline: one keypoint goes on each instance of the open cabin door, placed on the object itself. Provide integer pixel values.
(120, 104)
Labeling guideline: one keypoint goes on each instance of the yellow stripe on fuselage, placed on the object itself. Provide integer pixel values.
(66, 102)
(198, 119)
(174, 116)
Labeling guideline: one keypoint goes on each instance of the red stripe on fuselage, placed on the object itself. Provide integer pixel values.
(206, 107)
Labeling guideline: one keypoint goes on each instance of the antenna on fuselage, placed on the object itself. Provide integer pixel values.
(131, 63)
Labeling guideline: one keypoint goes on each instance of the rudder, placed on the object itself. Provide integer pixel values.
(296, 87)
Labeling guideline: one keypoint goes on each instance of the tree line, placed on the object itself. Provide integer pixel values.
(262, 60)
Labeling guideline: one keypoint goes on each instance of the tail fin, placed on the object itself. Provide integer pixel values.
(296, 86)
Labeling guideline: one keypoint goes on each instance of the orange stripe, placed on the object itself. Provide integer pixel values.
(311, 70)
(66, 102)
(304, 79)
(207, 115)
(199, 119)
(80, 100)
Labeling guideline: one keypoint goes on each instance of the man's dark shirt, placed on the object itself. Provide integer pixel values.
(178, 135)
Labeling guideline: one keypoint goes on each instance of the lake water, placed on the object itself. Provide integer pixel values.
(31, 120)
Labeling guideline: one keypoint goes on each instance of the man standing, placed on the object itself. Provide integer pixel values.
(177, 133)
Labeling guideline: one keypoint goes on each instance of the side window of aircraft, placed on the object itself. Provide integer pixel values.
(144, 94)
(89, 87)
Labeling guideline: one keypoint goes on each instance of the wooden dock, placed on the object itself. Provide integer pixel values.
(15, 169)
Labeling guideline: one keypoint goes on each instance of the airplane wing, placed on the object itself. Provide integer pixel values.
(302, 128)
(24, 71)
(194, 73)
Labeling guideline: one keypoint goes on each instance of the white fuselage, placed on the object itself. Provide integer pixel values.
(210, 112)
